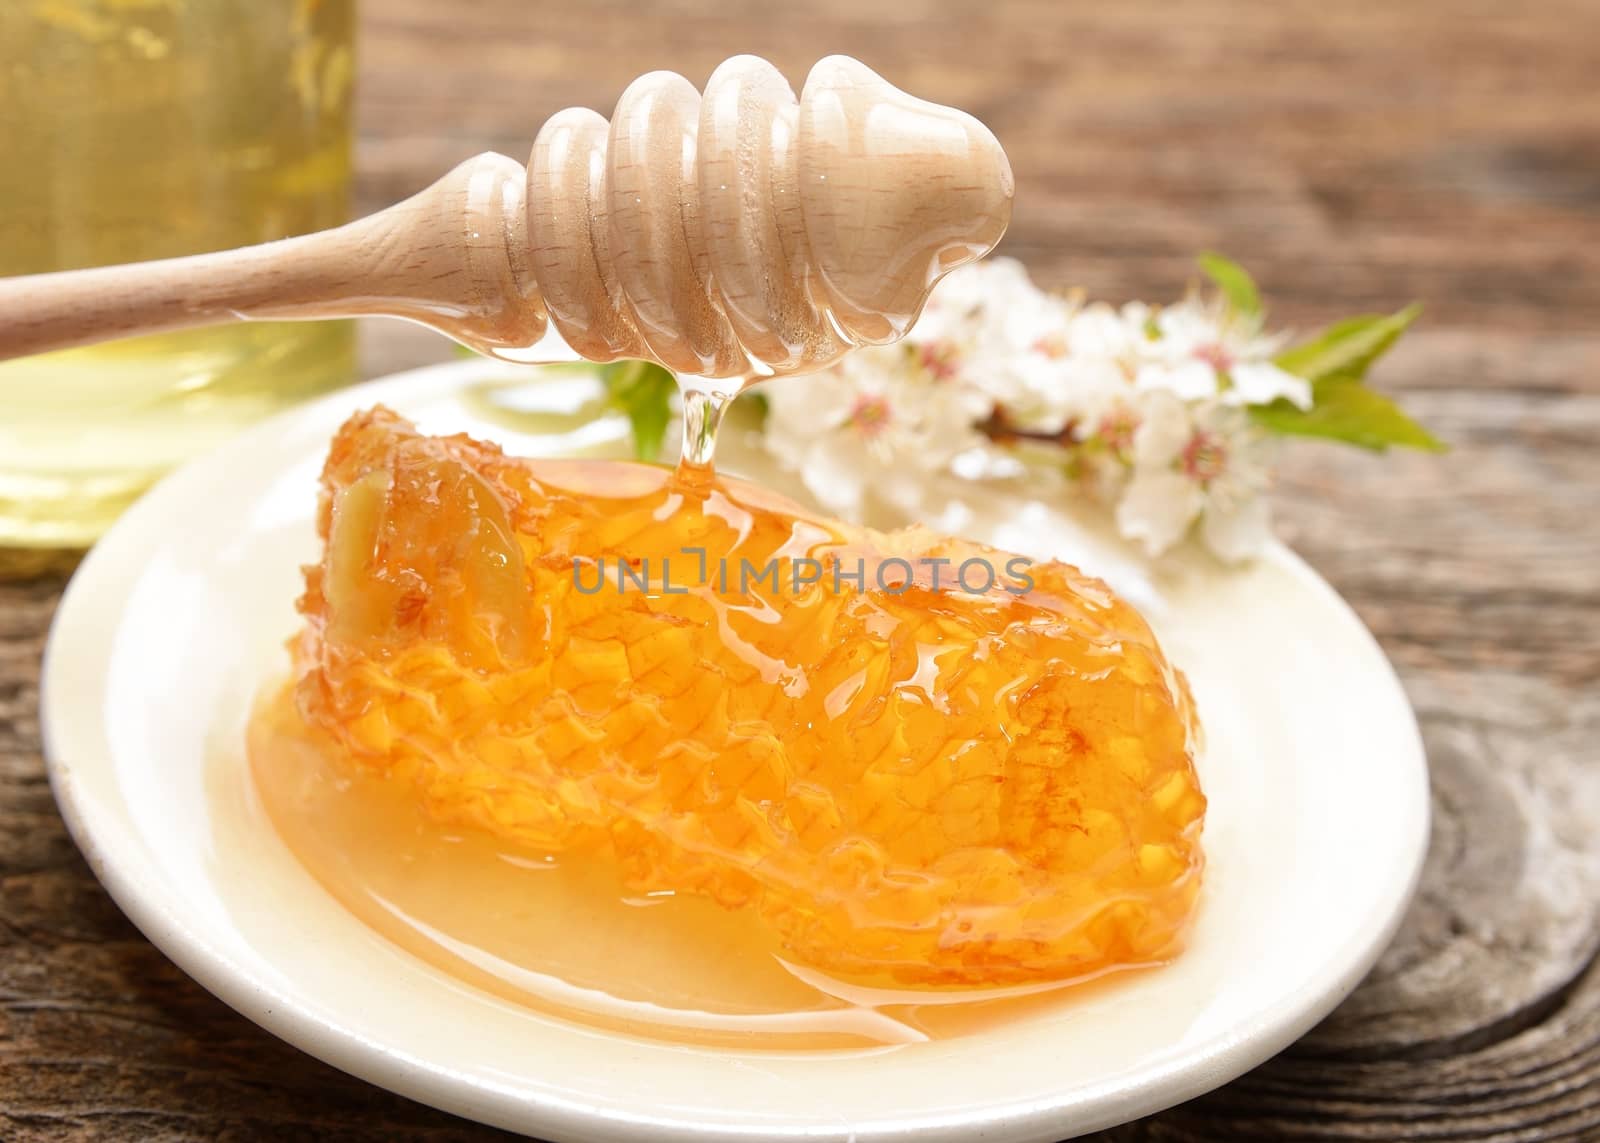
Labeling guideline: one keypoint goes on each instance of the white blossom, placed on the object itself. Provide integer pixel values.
(879, 421)
(1205, 350)
(1143, 409)
(1200, 460)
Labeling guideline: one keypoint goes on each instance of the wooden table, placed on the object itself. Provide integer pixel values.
(1356, 156)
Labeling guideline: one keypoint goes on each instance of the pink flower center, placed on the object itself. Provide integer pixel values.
(1117, 428)
(1204, 458)
(1051, 345)
(1215, 355)
(939, 358)
(870, 415)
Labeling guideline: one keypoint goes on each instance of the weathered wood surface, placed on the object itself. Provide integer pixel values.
(1355, 155)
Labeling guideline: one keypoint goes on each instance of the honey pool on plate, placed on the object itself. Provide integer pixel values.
(561, 935)
(720, 810)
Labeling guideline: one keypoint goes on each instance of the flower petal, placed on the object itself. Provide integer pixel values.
(801, 407)
(1164, 430)
(1157, 509)
(1189, 325)
(1239, 531)
(1261, 383)
(1188, 378)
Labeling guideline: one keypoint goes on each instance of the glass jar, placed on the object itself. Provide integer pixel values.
(137, 129)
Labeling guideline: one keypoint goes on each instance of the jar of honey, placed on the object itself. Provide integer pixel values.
(139, 129)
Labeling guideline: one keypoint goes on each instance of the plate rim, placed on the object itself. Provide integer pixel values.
(1153, 1088)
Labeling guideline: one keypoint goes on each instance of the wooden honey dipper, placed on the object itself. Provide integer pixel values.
(733, 235)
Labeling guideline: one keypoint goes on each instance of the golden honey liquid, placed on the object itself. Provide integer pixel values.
(559, 934)
(140, 129)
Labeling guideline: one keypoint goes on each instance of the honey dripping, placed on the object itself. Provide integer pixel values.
(703, 412)
(847, 802)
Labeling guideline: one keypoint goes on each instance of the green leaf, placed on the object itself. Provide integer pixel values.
(1347, 348)
(1343, 409)
(1234, 282)
(643, 391)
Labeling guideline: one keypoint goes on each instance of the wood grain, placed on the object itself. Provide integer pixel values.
(1356, 156)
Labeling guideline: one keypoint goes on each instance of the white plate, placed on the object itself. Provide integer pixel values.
(1315, 836)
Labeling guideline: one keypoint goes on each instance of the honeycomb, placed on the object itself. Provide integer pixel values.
(914, 779)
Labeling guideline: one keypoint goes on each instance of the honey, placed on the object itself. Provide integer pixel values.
(142, 129)
(559, 935)
(691, 689)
